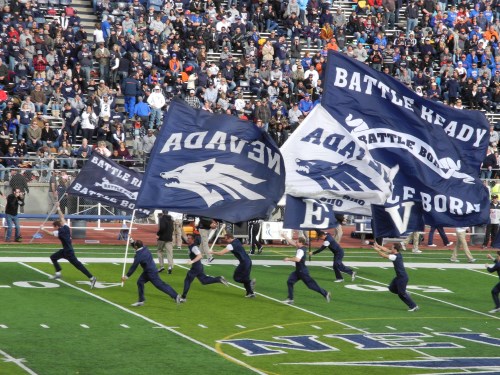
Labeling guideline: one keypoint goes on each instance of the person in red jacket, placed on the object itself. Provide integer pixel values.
(40, 63)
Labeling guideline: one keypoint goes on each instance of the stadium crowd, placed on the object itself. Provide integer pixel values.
(268, 67)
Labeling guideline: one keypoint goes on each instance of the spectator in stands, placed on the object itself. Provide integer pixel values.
(64, 153)
(147, 143)
(34, 137)
(40, 63)
(71, 121)
(156, 101)
(88, 123)
(192, 100)
(102, 149)
(102, 55)
(130, 89)
(45, 163)
(49, 136)
(118, 136)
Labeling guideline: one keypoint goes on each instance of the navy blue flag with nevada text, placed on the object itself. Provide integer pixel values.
(103, 180)
(435, 150)
(307, 213)
(397, 221)
(212, 165)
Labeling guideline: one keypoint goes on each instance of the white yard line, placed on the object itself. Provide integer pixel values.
(149, 320)
(19, 362)
(437, 300)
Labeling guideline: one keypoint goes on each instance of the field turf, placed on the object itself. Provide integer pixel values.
(62, 327)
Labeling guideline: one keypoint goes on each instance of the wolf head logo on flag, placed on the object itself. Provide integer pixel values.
(410, 148)
(210, 180)
(213, 165)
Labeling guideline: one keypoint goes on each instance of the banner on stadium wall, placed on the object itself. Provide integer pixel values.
(374, 141)
(103, 180)
(213, 165)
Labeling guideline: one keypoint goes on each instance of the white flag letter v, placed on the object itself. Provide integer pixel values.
(401, 223)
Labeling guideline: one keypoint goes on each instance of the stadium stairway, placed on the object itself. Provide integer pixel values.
(86, 12)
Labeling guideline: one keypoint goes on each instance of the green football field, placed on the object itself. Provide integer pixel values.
(62, 327)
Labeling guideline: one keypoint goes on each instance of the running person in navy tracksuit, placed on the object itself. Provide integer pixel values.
(301, 272)
(62, 231)
(496, 289)
(338, 256)
(399, 283)
(144, 258)
(196, 270)
(242, 272)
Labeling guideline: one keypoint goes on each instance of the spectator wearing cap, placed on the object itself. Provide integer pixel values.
(192, 100)
(71, 120)
(156, 102)
(130, 88)
(80, 76)
(262, 112)
(313, 75)
(306, 105)
(102, 55)
(493, 226)
(148, 142)
(40, 63)
(102, 89)
(175, 65)
(295, 116)
(256, 84)
(311, 35)
(23, 88)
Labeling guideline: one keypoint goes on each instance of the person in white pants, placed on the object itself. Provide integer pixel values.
(461, 243)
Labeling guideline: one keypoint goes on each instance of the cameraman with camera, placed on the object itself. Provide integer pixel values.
(14, 200)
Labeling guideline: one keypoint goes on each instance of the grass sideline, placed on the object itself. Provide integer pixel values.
(64, 328)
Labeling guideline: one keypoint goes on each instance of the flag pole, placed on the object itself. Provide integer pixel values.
(127, 245)
(218, 234)
(309, 232)
(47, 218)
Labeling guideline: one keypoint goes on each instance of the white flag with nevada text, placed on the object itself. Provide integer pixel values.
(324, 161)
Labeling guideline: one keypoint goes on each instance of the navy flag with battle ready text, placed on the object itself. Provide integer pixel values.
(105, 181)
(374, 141)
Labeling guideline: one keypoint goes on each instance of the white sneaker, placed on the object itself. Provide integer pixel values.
(178, 299)
(494, 311)
(449, 244)
(252, 284)
(403, 246)
(338, 281)
(55, 276)
(250, 295)
(454, 260)
(414, 309)
(289, 301)
(416, 251)
(139, 303)
(353, 276)
(328, 297)
(93, 280)
(432, 245)
(223, 281)
(210, 260)
(472, 260)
